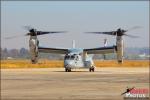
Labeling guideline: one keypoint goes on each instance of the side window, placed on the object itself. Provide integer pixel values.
(66, 57)
(77, 57)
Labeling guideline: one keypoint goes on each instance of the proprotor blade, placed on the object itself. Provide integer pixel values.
(28, 27)
(34, 32)
(118, 32)
(107, 33)
(51, 32)
(133, 28)
(16, 36)
(131, 36)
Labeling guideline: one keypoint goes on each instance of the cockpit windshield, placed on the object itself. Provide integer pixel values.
(72, 57)
(69, 57)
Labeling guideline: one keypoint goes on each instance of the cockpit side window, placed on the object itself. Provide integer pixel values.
(67, 57)
(72, 57)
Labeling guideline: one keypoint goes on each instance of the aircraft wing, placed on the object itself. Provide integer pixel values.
(101, 50)
(52, 50)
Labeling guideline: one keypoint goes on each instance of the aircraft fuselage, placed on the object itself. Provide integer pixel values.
(75, 59)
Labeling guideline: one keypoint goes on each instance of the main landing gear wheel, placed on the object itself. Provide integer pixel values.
(92, 69)
(34, 61)
(67, 69)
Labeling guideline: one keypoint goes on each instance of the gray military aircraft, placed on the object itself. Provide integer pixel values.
(76, 57)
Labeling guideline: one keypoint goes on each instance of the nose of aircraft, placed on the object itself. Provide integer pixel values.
(69, 63)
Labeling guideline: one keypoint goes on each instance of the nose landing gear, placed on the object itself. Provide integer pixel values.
(67, 69)
(92, 69)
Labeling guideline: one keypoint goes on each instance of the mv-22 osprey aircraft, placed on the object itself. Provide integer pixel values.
(77, 57)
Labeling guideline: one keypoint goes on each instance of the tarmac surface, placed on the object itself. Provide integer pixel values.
(80, 84)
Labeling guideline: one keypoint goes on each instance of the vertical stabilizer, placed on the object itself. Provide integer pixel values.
(105, 42)
(73, 43)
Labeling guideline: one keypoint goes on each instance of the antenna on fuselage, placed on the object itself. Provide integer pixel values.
(73, 43)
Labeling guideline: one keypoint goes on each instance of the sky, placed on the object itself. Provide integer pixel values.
(75, 17)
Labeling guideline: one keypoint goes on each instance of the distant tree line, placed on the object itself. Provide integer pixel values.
(14, 53)
(23, 53)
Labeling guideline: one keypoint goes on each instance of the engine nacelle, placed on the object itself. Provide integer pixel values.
(120, 48)
(33, 45)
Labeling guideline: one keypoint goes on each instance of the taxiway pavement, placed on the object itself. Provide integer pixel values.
(55, 84)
